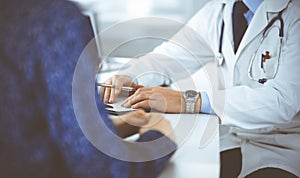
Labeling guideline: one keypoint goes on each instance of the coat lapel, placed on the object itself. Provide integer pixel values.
(260, 21)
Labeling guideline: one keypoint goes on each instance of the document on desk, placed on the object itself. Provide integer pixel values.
(117, 108)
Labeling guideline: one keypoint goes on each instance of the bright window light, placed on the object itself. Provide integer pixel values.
(138, 8)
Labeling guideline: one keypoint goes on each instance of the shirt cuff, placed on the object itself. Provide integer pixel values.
(206, 107)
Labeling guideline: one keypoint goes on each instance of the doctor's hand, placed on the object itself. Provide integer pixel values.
(157, 98)
(110, 95)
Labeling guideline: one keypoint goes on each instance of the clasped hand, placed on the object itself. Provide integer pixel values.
(141, 122)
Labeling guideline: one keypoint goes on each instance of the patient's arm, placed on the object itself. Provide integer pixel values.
(141, 122)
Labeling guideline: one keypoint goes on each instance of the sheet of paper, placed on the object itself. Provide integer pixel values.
(117, 108)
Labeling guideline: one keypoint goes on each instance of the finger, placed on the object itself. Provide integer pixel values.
(135, 86)
(107, 95)
(136, 118)
(147, 100)
(118, 84)
(102, 91)
(126, 101)
(141, 88)
(150, 104)
(137, 113)
(142, 104)
(140, 91)
(136, 98)
(111, 96)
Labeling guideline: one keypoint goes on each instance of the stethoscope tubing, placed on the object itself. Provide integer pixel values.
(220, 57)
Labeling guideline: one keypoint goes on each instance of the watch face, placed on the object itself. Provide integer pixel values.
(190, 94)
(190, 97)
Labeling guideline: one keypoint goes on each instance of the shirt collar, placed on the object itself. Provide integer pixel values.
(252, 4)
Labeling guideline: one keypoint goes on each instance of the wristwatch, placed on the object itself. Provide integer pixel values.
(190, 98)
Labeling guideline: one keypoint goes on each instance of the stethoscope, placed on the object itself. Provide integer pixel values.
(220, 56)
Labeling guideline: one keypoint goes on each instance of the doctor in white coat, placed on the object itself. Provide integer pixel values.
(255, 91)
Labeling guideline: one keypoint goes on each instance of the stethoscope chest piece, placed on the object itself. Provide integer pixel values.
(220, 59)
(262, 57)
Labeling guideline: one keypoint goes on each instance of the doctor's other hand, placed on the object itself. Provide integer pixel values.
(110, 95)
(157, 98)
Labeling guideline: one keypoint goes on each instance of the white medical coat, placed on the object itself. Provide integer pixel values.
(262, 119)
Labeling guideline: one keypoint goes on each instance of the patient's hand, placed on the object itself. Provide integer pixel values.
(158, 122)
(141, 122)
(129, 124)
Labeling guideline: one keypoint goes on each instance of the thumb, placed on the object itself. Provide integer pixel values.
(136, 86)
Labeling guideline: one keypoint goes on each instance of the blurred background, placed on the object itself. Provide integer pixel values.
(107, 13)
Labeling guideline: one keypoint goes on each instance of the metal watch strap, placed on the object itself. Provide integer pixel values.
(190, 98)
(189, 106)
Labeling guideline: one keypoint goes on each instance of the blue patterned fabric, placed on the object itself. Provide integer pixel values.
(40, 43)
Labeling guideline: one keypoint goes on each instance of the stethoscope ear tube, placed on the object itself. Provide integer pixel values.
(278, 17)
(220, 57)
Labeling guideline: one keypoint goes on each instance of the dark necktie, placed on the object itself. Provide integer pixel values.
(239, 22)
